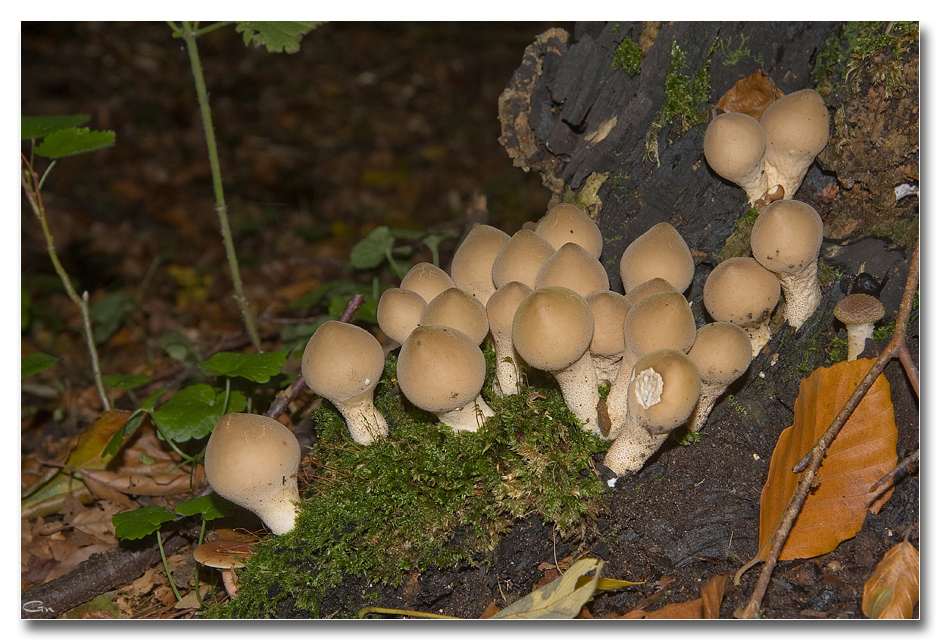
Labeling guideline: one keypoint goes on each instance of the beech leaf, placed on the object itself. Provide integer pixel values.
(751, 95)
(863, 452)
(894, 588)
(562, 598)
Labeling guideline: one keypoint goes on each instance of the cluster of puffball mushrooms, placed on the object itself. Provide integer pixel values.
(544, 299)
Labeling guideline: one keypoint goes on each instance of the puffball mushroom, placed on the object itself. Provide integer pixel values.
(500, 311)
(610, 310)
(742, 291)
(252, 460)
(472, 266)
(441, 370)
(399, 312)
(521, 258)
(573, 267)
(427, 280)
(659, 253)
(785, 239)
(797, 129)
(722, 353)
(734, 149)
(662, 395)
(566, 223)
(343, 363)
(458, 309)
(552, 331)
(858, 312)
(648, 288)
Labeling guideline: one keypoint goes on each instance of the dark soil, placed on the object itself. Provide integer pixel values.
(393, 124)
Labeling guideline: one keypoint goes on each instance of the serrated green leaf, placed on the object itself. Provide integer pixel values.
(276, 36)
(192, 413)
(36, 362)
(70, 142)
(371, 251)
(210, 506)
(257, 367)
(134, 525)
(125, 381)
(35, 127)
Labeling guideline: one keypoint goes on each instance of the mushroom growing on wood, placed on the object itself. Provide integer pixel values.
(500, 311)
(858, 312)
(797, 129)
(659, 253)
(472, 266)
(573, 267)
(785, 239)
(742, 291)
(722, 353)
(566, 223)
(252, 460)
(734, 149)
(343, 363)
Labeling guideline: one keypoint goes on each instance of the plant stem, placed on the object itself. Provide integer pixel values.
(166, 567)
(189, 37)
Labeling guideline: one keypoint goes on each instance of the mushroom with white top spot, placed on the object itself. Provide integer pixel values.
(797, 129)
(500, 311)
(343, 363)
(566, 223)
(472, 266)
(858, 312)
(427, 280)
(252, 460)
(734, 149)
(521, 258)
(659, 253)
(573, 267)
(458, 309)
(722, 353)
(399, 312)
(742, 291)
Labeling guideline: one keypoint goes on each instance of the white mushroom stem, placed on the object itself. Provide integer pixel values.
(801, 293)
(229, 581)
(857, 334)
(759, 335)
(365, 422)
(706, 402)
(607, 367)
(578, 383)
(508, 373)
(632, 448)
(469, 417)
(279, 509)
(617, 398)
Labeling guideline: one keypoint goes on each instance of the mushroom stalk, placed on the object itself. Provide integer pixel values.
(706, 402)
(801, 294)
(632, 448)
(469, 417)
(365, 423)
(578, 383)
(508, 373)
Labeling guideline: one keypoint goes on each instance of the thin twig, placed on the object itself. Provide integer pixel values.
(812, 461)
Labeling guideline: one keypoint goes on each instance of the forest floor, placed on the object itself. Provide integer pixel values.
(368, 125)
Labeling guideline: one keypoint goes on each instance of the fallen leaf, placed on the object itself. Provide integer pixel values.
(863, 452)
(894, 588)
(705, 607)
(561, 599)
(751, 95)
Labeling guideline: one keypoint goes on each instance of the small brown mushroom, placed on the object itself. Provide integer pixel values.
(858, 312)
(458, 309)
(427, 280)
(566, 223)
(225, 555)
(573, 267)
(500, 311)
(472, 266)
(521, 258)
(610, 311)
(722, 353)
(659, 253)
(734, 149)
(742, 291)
(399, 312)
(797, 129)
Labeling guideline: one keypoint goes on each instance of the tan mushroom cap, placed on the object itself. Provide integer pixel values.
(427, 280)
(734, 149)
(223, 554)
(610, 310)
(441, 370)
(252, 460)
(648, 288)
(722, 353)
(399, 312)
(521, 258)
(659, 253)
(566, 223)
(797, 129)
(458, 309)
(573, 267)
(343, 363)
(858, 312)
(472, 266)
(500, 311)
(785, 239)
(742, 291)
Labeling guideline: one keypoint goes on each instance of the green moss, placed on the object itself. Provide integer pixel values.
(628, 57)
(734, 56)
(423, 497)
(738, 242)
(871, 51)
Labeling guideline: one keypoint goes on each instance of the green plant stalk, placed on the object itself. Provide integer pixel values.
(30, 186)
(189, 37)
(166, 567)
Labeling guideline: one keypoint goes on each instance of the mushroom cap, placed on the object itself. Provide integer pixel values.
(573, 267)
(664, 390)
(399, 312)
(440, 368)
(427, 280)
(342, 361)
(648, 288)
(610, 310)
(460, 310)
(786, 236)
(223, 554)
(502, 305)
(552, 328)
(566, 223)
(660, 321)
(734, 149)
(797, 129)
(521, 258)
(742, 291)
(659, 253)
(472, 266)
(859, 308)
(722, 352)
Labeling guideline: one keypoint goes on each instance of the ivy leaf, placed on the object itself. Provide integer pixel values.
(276, 36)
(257, 367)
(210, 507)
(192, 413)
(70, 142)
(36, 127)
(36, 362)
(134, 525)
(372, 250)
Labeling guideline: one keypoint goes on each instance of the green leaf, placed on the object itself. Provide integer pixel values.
(276, 36)
(210, 506)
(35, 127)
(134, 525)
(133, 422)
(70, 142)
(177, 346)
(108, 313)
(562, 598)
(193, 412)
(125, 381)
(372, 250)
(257, 367)
(36, 362)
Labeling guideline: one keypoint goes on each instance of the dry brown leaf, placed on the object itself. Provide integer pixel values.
(863, 452)
(751, 95)
(705, 607)
(894, 588)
